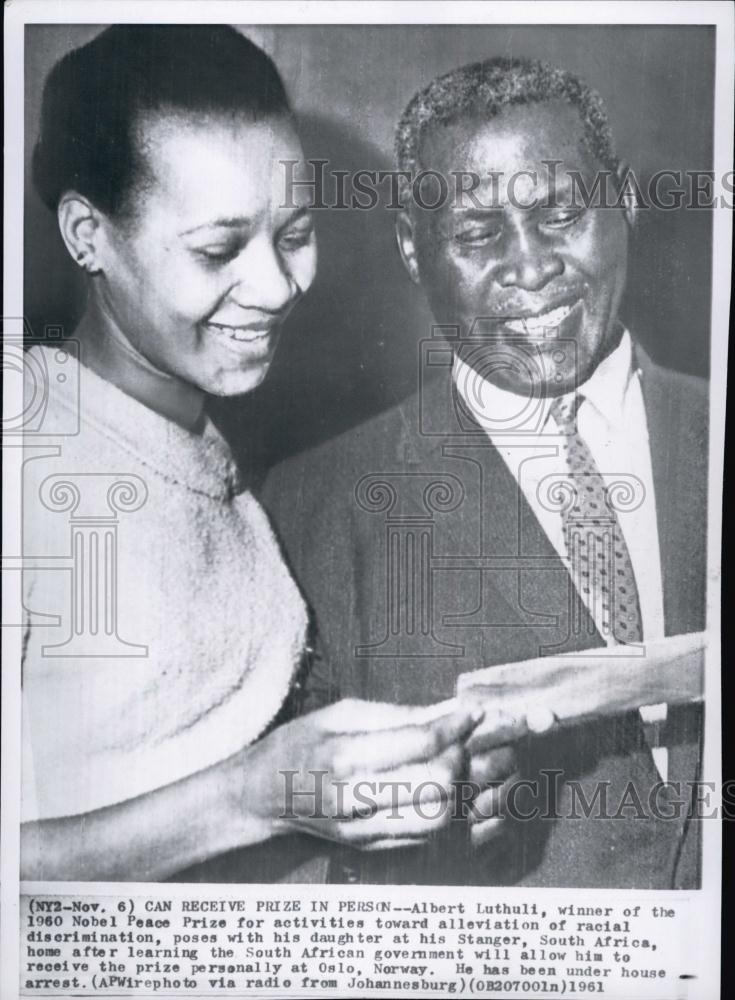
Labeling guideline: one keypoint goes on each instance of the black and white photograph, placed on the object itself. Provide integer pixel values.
(362, 442)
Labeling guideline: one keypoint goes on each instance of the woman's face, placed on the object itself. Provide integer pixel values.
(202, 276)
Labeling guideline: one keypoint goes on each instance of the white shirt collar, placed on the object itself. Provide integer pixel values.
(499, 411)
(607, 386)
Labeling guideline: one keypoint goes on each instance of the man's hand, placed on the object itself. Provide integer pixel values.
(494, 771)
(495, 766)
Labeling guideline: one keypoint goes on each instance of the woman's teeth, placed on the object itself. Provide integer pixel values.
(239, 333)
(541, 323)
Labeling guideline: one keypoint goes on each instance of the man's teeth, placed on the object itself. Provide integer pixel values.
(541, 323)
(239, 333)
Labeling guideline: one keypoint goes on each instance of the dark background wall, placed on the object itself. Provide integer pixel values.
(351, 349)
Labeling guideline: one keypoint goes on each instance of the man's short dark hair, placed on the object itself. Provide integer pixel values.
(483, 89)
(94, 97)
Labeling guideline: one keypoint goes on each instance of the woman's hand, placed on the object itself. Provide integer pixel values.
(362, 773)
(366, 774)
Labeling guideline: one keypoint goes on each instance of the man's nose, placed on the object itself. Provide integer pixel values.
(263, 278)
(527, 263)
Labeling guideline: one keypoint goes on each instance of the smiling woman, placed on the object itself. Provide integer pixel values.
(155, 673)
(206, 273)
(171, 197)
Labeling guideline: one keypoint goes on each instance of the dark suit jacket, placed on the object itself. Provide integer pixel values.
(421, 560)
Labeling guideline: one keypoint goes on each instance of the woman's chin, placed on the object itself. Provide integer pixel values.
(237, 383)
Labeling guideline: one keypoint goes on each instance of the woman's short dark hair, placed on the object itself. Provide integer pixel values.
(95, 95)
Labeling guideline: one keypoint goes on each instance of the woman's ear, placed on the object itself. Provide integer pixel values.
(407, 245)
(79, 224)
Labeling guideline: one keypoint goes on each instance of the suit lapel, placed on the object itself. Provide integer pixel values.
(507, 527)
(677, 426)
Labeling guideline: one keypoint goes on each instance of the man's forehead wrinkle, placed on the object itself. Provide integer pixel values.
(543, 135)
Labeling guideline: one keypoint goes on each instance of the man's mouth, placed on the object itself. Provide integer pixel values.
(542, 324)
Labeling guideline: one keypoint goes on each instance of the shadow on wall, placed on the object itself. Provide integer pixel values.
(350, 349)
(669, 290)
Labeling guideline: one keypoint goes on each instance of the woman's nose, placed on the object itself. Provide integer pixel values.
(264, 279)
(527, 263)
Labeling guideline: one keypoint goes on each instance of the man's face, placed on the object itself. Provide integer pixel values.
(531, 271)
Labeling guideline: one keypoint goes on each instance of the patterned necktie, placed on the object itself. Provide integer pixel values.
(600, 563)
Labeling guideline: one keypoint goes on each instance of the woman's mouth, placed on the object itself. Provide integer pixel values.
(240, 334)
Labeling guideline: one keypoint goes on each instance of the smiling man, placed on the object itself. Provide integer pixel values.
(541, 494)
(526, 257)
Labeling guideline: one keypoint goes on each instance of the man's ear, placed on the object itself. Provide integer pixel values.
(627, 186)
(407, 245)
(80, 227)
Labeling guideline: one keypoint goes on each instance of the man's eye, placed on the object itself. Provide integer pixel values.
(562, 218)
(294, 239)
(477, 237)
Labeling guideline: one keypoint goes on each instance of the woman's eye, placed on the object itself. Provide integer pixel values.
(218, 255)
(562, 218)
